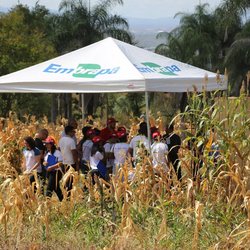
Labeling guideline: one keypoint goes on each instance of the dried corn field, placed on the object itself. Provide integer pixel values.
(148, 212)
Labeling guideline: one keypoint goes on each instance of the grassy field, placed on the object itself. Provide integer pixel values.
(149, 212)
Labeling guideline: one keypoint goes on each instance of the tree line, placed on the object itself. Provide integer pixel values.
(211, 40)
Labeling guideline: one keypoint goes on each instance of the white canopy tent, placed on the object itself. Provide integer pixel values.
(111, 66)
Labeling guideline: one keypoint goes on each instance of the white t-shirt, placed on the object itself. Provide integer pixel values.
(57, 154)
(159, 152)
(94, 160)
(63, 134)
(120, 152)
(86, 150)
(30, 159)
(67, 144)
(137, 142)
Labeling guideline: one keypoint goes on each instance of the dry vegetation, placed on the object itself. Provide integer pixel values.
(149, 212)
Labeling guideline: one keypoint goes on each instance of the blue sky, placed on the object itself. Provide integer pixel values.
(132, 8)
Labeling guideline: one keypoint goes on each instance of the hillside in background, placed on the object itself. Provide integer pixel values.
(145, 30)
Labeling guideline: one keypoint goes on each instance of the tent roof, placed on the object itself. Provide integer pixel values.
(110, 66)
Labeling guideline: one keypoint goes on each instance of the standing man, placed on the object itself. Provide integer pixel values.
(73, 123)
(107, 132)
(174, 143)
(69, 152)
(139, 145)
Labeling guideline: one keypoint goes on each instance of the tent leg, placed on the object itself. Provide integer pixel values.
(147, 118)
(83, 111)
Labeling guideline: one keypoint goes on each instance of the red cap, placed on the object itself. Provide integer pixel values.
(90, 132)
(111, 120)
(156, 134)
(97, 139)
(50, 140)
(122, 129)
(121, 134)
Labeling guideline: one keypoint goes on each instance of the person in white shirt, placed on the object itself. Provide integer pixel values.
(32, 160)
(109, 154)
(120, 151)
(73, 123)
(86, 150)
(159, 151)
(138, 144)
(97, 165)
(68, 149)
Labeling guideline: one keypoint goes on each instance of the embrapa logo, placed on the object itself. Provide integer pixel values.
(155, 68)
(82, 70)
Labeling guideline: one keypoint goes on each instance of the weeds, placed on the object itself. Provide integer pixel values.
(211, 211)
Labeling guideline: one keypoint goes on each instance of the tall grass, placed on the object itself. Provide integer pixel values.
(150, 211)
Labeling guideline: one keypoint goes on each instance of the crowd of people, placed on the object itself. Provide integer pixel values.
(101, 153)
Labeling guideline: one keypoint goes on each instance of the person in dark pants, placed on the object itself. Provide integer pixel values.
(39, 139)
(53, 162)
(32, 157)
(174, 142)
(67, 146)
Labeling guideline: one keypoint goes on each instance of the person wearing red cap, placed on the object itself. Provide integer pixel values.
(159, 151)
(53, 162)
(120, 150)
(107, 132)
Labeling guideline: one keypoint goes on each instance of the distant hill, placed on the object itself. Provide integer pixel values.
(145, 30)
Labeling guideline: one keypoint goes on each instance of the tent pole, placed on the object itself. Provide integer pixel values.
(83, 111)
(147, 119)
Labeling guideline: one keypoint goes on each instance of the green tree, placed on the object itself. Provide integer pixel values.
(194, 41)
(237, 59)
(234, 36)
(78, 25)
(22, 43)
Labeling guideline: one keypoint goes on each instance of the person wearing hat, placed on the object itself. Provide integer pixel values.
(120, 150)
(107, 132)
(159, 151)
(53, 162)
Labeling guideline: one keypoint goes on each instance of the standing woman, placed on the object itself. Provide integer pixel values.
(32, 159)
(53, 162)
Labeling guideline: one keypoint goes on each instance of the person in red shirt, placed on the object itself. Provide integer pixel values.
(107, 132)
